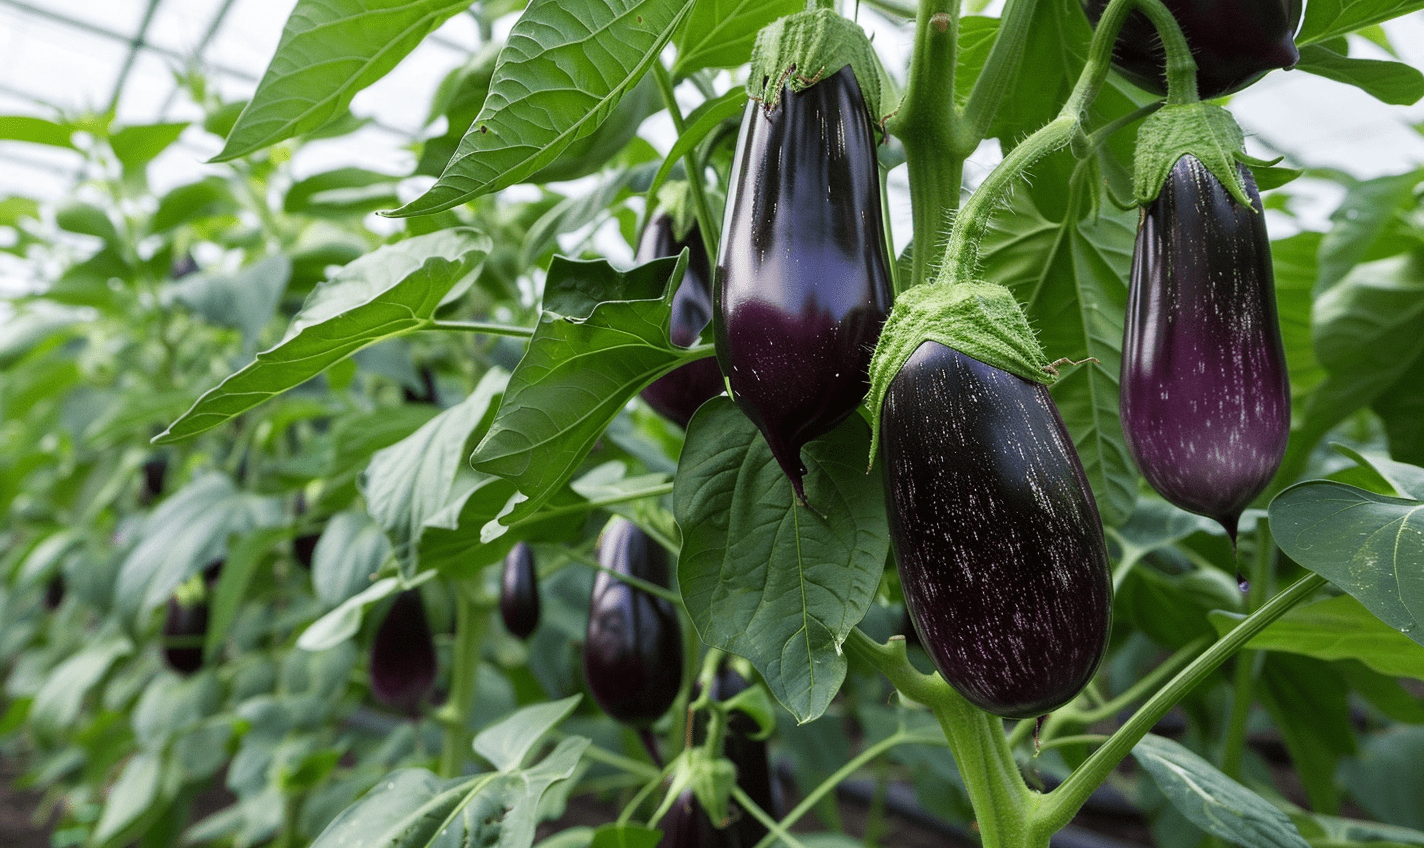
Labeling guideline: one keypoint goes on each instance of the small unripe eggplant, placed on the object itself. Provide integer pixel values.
(1205, 394)
(1234, 42)
(677, 395)
(996, 534)
(403, 656)
(519, 592)
(687, 825)
(184, 630)
(632, 655)
(802, 284)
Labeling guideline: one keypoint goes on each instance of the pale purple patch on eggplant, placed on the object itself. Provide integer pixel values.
(995, 531)
(403, 656)
(677, 395)
(519, 592)
(802, 285)
(632, 653)
(1205, 390)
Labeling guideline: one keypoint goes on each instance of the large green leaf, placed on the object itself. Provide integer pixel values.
(1055, 51)
(59, 700)
(145, 782)
(135, 146)
(1325, 19)
(246, 300)
(35, 130)
(1391, 82)
(566, 65)
(187, 531)
(1211, 800)
(720, 33)
(330, 50)
(589, 356)
(1387, 778)
(1361, 225)
(1310, 702)
(410, 481)
(352, 547)
(1367, 544)
(509, 742)
(1338, 628)
(389, 292)
(764, 577)
(1070, 276)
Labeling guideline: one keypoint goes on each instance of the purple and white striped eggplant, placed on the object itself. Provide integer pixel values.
(1205, 392)
(995, 531)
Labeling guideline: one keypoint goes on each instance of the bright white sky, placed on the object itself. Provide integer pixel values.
(70, 54)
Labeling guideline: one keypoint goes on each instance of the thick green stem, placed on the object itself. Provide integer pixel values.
(1059, 806)
(1181, 67)
(1003, 803)
(926, 124)
(472, 614)
(709, 227)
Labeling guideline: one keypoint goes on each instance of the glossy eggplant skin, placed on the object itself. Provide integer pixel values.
(519, 592)
(403, 656)
(676, 396)
(687, 825)
(188, 624)
(1234, 42)
(1205, 393)
(995, 532)
(632, 654)
(802, 283)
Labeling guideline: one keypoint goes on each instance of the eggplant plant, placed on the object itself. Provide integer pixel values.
(890, 234)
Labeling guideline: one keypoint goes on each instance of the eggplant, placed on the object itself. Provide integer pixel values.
(1234, 42)
(802, 283)
(749, 755)
(184, 630)
(1205, 393)
(632, 654)
(676, 396)
(519, 592)
(687, 825)
(996, 534)
(304, 549)
(403, 656)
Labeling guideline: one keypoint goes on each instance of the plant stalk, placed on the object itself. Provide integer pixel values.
(710, 228)
(472, 610)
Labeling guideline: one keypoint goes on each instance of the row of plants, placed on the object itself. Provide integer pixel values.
(322, 534)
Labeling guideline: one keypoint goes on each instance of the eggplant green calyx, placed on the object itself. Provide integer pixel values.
(800, 50)
(1201, 130)
(675, 198)
(981, 320)
(711, 779)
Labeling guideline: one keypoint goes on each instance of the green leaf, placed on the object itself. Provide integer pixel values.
(231, 591)
(1367, 544)
(206, 198)
(1361, 221)
(1394, 83)
(1326, 19)
(1211, 800)
(1309, 701)
(184, 533)
(572, 213)
(1070, 277)
(390, 292)
(1339, 628)
(342, 623)
(1055, 52)
(506, 743)
(245, 301)
(591, 152)
(566, 65)
(625, 836)
(144, 784)
(330, 50)
(703, 120)
(58, 702)
(579, 372)
(1387, 778)
(762, 576)
(720, 33)
(1154, 524)
(1406, 480)
(352, 547)
(411, 480)
(1335, 831)
(344, 191)
(87, 220)
(35, 130)
(136, 146)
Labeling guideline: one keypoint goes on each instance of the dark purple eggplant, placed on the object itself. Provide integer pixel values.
(802, 285)
(403, 656)
(1234, 42)
(749, 756)
(632, 656)
(1205, 393)
(54, 591)
(996, 534)
(184, 630)
(154, 473)
(519, 592)
(304, 549)
(678, 395)
(687, 825)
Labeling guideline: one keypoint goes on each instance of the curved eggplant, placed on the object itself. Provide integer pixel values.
(995, 531)
(676, 396)
(802, 284)
(1205, 395)
(403, 656)
(519, 592)
(632, 655)
(1234, 42)
(184, 630)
